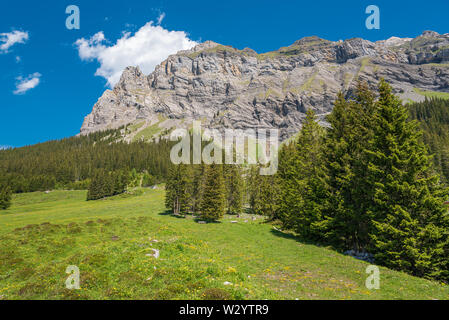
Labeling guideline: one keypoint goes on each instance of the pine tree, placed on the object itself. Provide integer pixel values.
(120, 182)
(410, 220)
(234, 188)
(5, 198)
(346, 218)
(148, 180)
(197, 185)
(178, 189)
(263, 193)
(213, 201)
(93, 191)
(302, 185)
(253, 188)
(109, 182)
(285, 175)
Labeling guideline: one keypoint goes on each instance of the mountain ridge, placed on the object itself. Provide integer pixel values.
(226, 87)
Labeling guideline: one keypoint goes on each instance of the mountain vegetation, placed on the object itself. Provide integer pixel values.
(5, 197)
(433, 117)
(71, 163)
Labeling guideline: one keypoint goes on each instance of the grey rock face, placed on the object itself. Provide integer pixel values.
(230, 88)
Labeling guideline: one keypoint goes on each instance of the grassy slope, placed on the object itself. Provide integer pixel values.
(432, 94)
(195, 259)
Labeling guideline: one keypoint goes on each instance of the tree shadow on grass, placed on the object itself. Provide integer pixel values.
(285, 235)
(198, 220)
(180, 216)
(291, 236)
(165, 213)
(169, 213)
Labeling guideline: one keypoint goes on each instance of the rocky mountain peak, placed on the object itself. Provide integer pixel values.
(430, 33)
(131, 79)
(226, 87)
(310, 40)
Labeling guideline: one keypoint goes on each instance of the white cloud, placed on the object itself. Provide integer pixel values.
(7, 40)
(148, 47)
(25, 84)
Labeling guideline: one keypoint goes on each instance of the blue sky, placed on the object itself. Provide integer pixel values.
(48, 82)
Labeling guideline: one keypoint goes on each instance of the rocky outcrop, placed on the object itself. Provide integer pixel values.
(229, 88)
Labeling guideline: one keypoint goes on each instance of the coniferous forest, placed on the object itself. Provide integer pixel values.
(433, 117)
(72, 163)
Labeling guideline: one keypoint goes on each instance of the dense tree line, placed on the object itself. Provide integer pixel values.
(72, 162)
(106, 184)
(365, 183)
(209, 191)
(433, 116)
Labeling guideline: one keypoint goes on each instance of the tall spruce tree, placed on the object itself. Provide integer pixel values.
(347, 221)
(263, 193)
(410, 219)
(302, 184)
(285, 175)
(120, 181)
(178, 189)
(213, 201)
(94, 192)
(5, 197)
(197, 185)
(234, 188)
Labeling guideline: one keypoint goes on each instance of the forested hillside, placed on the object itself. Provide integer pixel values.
(433, 115)
(72, 162)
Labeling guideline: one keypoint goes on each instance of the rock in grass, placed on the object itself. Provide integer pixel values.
(227, 283)
(365, 256)
(115, 238)
(155, 253)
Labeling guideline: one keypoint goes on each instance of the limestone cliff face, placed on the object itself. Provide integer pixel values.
(229, 88)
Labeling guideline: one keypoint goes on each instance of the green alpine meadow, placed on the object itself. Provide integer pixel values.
(42, 234)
